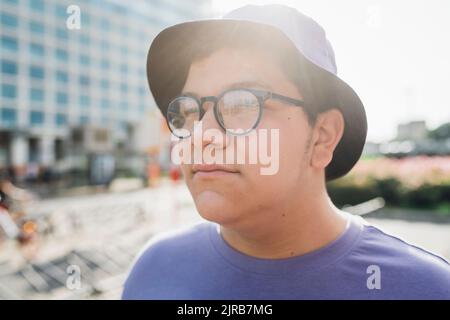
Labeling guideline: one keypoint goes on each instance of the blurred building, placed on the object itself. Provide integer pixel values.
(67, 93)
(414, 138)
(414, 130)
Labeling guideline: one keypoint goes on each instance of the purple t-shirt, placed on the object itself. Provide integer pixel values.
(363, 263)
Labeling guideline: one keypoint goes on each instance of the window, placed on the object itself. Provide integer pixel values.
(123, 105)
(84, 119)
(84, 39)
(37, 72)
(36, 27)
(9, 67)
(62, 98)
(105, 103)
(8, 20)
(85, 60)
(62, 34)
(105, 83)
(37, 5)
(62, 77)
(124, 87)
(60, 119)
(123, 68)
(105, 45)
(9, 116)
(36, 118)
(84, 80)
(62, 55)
(60, 11)
(105, 64)
(9, 91)
(85, 101)
(9, 43)
(14, 2)
(85, 20)
(37, 50)
(105, 24)
(36, 95)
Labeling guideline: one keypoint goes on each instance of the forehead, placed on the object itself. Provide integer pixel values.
(227, 67)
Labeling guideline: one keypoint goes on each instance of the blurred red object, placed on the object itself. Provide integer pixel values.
(175, 174)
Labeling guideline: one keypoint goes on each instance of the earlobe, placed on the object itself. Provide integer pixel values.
(328, 131)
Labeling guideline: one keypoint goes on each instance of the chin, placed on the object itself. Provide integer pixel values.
(215, 207)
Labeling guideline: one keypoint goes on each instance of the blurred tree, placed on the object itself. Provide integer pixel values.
(440, 133)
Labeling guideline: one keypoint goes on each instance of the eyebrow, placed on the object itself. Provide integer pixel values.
(251, 84)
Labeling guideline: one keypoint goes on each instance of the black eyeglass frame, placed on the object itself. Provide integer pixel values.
(261, 95)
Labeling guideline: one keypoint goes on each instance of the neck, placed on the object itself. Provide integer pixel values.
(306, 224)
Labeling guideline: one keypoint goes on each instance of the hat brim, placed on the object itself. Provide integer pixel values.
(170, 56)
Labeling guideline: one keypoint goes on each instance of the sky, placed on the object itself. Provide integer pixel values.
(394, 54)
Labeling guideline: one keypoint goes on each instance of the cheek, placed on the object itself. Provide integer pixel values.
(293, 135)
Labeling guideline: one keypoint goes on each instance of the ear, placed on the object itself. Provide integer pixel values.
(328, 131)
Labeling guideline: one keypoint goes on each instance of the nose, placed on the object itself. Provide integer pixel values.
(210, 127)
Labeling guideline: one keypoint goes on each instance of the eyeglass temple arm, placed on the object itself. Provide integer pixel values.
(295, 102)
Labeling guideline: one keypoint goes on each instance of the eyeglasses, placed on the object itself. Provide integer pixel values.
(238, 111)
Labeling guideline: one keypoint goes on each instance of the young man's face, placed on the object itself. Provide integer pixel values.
(244, 194)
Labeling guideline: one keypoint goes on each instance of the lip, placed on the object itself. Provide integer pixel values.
(211, 170)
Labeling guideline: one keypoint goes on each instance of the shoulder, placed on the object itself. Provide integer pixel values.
(408, 267)
(177, 243)
(163, 255)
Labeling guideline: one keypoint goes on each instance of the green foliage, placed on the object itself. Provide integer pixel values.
(426, 196)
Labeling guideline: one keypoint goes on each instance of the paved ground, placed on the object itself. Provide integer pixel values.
(103, 232)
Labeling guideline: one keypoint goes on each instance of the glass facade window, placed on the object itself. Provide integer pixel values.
(9, 91)
(12, 2)
(60, 11)
(124, 50)
(85, 60)
(60, 119)
(37, 72)
(62, 77)
(9, 44)
(85, 19)
(9, 116)
(85, 101)
(104, 83)
(104, 45)
(124, 68)
(105, 24)
(84, 119)
(62, 98)
(62, 34)
(105, 103)
(9, 67)
(37, 27)
(37, 50)
(104, 64)
(8, 20)
(84, 80)
(36, 95)
(62, 55)
(36, 118)
(84, 39)
(37, 5)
